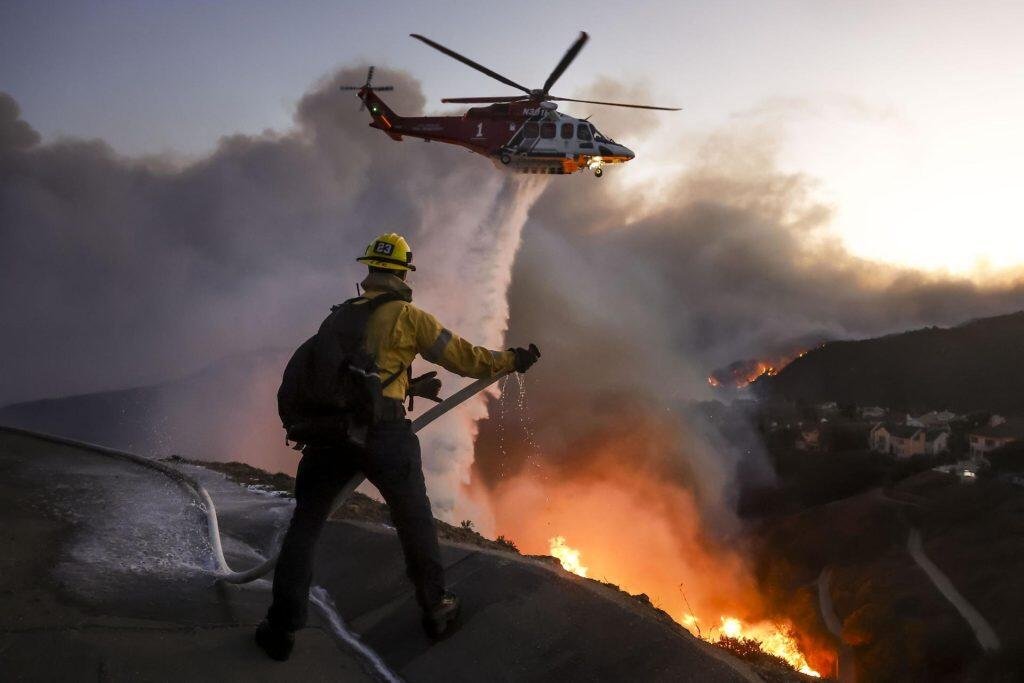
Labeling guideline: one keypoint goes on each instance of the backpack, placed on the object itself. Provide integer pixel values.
(331, 389)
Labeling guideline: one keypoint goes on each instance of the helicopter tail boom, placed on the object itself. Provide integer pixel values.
(383, 117)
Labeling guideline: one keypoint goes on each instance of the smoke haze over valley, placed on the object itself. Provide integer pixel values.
(121, 272)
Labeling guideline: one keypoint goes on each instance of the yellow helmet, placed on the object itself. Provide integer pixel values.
(389, 251)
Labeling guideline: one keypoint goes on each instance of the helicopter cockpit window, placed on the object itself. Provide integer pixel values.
(566, 131)
(531, 129)
(602, 138)
(583, 131)
(547, 130)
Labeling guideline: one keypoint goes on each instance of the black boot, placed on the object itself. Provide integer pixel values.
(277, 644)
(441, 620)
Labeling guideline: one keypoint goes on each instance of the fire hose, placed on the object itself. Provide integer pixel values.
(318, 596)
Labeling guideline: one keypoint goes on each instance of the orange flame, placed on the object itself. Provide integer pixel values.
(633, 525)
(567, 555)
(774, 639)
(743, 372)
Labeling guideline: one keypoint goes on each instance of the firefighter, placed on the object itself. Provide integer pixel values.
(396, 332)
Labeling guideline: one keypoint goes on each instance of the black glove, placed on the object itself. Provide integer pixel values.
(427, 386)
(525, 358)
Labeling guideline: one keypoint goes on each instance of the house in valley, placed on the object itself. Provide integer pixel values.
(997, 433)
(906, 441)
(809, 439)
(932, 420)
(878, 438)
(873, 412)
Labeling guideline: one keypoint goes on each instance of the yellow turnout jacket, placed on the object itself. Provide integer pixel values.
(398, 332)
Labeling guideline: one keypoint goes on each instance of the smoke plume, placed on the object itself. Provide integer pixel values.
(633, 302)
(118, 272)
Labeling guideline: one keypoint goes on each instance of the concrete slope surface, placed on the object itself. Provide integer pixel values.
(105, 576)
(111, 568)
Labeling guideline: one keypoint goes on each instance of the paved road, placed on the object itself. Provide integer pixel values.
(983, 631)
(110, 567)
(846, 672)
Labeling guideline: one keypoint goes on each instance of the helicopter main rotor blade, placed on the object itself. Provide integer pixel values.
(567, 58)
(481, 100)
(469, 62)
(614, 104)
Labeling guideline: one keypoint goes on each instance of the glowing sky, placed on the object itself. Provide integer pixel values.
(908, 113)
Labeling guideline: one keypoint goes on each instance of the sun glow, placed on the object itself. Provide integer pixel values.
(924, 188)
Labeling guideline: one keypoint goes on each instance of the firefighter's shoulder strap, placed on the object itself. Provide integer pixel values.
(373, 303)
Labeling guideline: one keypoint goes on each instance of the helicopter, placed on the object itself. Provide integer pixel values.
(523, 133)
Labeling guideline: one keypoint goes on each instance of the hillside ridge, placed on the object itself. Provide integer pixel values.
(974, 366)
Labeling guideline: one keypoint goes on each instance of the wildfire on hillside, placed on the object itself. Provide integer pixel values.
(622, 506)
(741, 373)
(775, 639)
(568, 556)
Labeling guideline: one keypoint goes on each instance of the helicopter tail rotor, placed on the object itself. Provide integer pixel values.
(367, 87)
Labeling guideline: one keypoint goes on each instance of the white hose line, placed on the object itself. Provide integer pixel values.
(321, 599)
(187, 482)
(318, 596)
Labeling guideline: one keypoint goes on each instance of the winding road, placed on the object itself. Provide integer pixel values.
(983, 631)
(845, 673)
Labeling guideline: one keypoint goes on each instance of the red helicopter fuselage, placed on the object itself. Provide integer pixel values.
(527, 136)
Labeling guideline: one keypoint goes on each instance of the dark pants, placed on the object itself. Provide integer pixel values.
(391, 461)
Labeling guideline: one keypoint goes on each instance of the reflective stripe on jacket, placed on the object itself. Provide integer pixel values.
(398, 331)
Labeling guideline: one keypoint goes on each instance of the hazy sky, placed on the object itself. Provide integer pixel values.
(906, 112)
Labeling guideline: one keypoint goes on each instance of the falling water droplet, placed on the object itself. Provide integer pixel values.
(535, 457)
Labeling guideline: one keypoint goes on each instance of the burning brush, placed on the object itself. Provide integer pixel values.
(771, 638)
